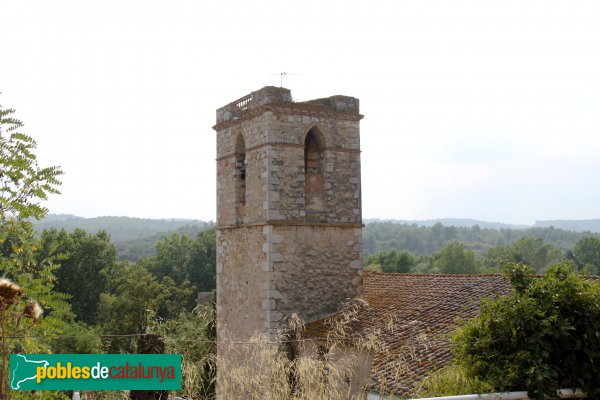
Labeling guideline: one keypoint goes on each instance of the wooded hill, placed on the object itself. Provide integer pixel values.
(137, 237)
(424, 240)
(133, 237)
(584, 225)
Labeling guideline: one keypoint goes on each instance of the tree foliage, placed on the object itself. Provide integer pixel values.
(393, 261)
(187, 259)
(543, 337)
(530, 251)
(86, 261)
(424, 240)
(193, 335)
(23, 186)
(586, 254)
(134, 298)
(454, 259)
(451, 380)
(458, 258)
(23, 183)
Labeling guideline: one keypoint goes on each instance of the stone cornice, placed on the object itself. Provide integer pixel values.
(293, 223)
(304, 109)
(282, 144)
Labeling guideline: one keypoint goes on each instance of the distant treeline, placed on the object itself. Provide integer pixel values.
(134, 238)
(392, 247)
(424, 241)
(132, 250)
(120, 229)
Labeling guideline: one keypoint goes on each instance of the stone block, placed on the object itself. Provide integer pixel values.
(276, 257)
(275, 238)
(274, 214)
(271, 327)
(269, 284)
(269, 304)
(274, 316)
(267, 266)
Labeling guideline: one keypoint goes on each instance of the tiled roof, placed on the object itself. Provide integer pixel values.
(411, 315)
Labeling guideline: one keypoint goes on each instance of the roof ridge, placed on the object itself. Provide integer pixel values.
(425, 275)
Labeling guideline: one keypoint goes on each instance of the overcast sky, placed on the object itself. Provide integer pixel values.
(475, 109)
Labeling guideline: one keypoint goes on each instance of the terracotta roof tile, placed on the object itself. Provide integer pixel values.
(412, 316)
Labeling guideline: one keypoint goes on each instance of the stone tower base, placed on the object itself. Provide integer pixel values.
(310, 270)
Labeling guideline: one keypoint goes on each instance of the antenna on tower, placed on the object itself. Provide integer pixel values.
(281, 75)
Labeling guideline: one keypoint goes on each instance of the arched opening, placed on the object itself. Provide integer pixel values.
(314, 177)
(240, 175)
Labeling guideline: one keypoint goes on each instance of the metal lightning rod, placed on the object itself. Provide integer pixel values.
(281, 75)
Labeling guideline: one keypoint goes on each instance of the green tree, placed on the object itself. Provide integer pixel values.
(527, 250)
(533, 252)
(23, 183)
(455, 258)
(86, 261)
(23, 186)
(393, 261)
(80, 339)
(135, 297)
(423, 241)
(542, 337)
(193, 335)
(586, 254)
(187, 259)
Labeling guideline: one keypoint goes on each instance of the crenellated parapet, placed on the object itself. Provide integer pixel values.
(271, 98)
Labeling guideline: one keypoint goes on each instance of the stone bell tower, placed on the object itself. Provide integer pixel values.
(289, 220)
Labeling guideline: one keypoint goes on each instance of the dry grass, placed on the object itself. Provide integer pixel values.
(287, 366)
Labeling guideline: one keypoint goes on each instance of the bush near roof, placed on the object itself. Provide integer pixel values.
(543, 337)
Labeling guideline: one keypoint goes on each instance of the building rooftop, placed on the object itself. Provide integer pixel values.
(412, 315)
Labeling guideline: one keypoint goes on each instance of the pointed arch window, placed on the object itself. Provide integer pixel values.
(240, 174)
(314, 176)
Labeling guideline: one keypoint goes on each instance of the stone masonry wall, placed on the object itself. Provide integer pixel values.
(275, 171)
(240, 282)
(313, 271)
(265, 273)
(272, 259)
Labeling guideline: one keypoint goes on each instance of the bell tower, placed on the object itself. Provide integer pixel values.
(289, 222)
